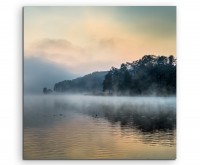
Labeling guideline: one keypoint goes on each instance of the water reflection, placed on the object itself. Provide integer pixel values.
(84, 127)
(145, 118)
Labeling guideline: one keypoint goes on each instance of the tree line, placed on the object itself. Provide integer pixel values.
(149, 75)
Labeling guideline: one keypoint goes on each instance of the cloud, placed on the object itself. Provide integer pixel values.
(76, 37)
(53, 43)
(107, 43)
(40, 73)
(67, 54)
(59, 51)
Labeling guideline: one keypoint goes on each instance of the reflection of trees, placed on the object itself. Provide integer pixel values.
(146, 117)
(153, 125)
(156, 137)
(139, 116)
(153, 122)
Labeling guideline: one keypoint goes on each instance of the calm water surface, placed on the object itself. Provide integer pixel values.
(99, 127)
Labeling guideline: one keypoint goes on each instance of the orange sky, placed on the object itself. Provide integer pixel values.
(87, 39)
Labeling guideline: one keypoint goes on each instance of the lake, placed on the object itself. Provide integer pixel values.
(99, 127)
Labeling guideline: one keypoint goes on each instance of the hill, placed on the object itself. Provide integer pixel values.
(150, 75)
(89, 83)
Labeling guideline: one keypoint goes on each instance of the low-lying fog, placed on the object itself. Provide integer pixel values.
(99, 127)
(144, 113)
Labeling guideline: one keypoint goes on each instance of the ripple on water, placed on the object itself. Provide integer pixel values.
(77, 135)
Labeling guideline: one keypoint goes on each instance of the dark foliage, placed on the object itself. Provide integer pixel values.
(47, 91)
(149, 75)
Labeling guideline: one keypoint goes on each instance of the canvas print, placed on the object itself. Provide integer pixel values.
(99, 82)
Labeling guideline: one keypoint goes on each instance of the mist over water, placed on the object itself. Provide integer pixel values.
(99, 127)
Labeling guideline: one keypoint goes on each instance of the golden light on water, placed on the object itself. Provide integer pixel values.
(87, 138)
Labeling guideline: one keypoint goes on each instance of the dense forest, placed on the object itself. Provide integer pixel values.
(149, 75)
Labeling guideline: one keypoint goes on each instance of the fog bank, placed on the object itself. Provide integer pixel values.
(144, 113)
(39, 74)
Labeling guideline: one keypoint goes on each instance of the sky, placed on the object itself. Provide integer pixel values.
(39, 73)
(82, 40)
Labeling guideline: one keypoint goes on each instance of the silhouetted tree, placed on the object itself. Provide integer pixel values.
(47, 91)
(107, 83)
(44, 90)
(155, 74)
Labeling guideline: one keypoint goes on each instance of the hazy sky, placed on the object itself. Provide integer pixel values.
(87, 39)
(39, 73)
